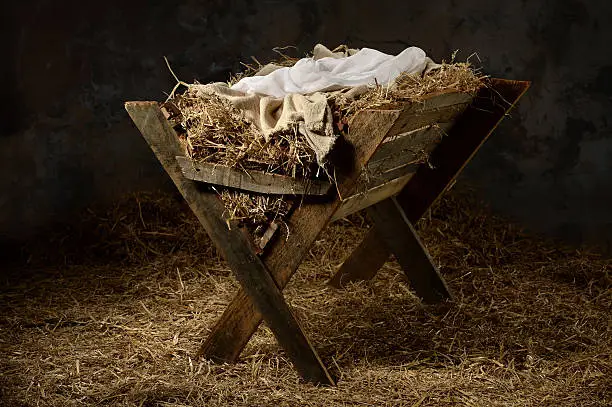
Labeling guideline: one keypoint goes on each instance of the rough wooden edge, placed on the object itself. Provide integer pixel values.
(255, 181)
(374, 195)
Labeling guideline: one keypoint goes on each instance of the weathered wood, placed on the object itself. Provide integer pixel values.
(361, 267)
(401, 171)
(388, 173)
(268, 235)
(233, 243)
(401, 239)
(422, 125)
(255, 181)
(439, 108)
(409, 147)
(362, 200)
(241, 318)
(470, 131)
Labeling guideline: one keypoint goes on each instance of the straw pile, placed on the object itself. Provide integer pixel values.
(113, 313)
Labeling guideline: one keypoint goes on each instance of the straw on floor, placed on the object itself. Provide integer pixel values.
(112, 312)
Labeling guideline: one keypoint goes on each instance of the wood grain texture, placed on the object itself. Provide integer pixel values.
(376, 194)
(401, 239)
(468, 134)
(241, 318)
(436, 109)
(234, 244)
(409, 147)
(255, 181)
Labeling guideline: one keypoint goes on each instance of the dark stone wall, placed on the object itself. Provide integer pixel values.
(67, 143)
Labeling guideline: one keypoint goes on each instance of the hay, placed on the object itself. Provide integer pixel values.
(254, 211)
(217, 133)
(251, 69)
(530, 325)
(454, 77)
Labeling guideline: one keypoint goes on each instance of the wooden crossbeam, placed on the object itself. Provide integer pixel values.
(468, 134)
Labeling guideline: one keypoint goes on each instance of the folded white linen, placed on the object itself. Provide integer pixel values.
(365, 67)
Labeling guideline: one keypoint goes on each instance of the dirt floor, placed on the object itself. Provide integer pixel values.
(112, 311)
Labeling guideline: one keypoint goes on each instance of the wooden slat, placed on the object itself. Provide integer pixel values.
(401, 239)
(241, 318)
(233, 243)
(439, 108)
(362, 200)
(374, 181)
(255, 181)
(409, 145)
(465, 138)
(388, 174)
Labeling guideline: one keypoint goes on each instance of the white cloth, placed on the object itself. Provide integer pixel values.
(280, 99)
(365, 67)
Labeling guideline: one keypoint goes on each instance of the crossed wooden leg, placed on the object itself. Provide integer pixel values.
(400, 238)
(463, 141)
(261, 280)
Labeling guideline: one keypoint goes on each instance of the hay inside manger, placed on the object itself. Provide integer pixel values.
(216, 132)
(255, 211)
(453, 77)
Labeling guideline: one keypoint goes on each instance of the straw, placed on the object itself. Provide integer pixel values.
(113, 311)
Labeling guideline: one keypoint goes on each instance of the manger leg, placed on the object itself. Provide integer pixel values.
(363, 263)
(398, 234)
(260, 287)
(456, 149)
(241, 318)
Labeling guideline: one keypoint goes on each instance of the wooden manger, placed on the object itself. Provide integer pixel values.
(382, 171)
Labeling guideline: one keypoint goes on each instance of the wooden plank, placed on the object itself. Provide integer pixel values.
(422, 125)
(404, 156)
(409, 145)
(241, 318)
(465, 138)
(401, 239)
(387, 175)
(437, 108)
(374, 181)
(233, 243)
(255, 181)
(362, 200)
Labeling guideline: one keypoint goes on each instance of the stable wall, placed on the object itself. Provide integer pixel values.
(67, 143)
